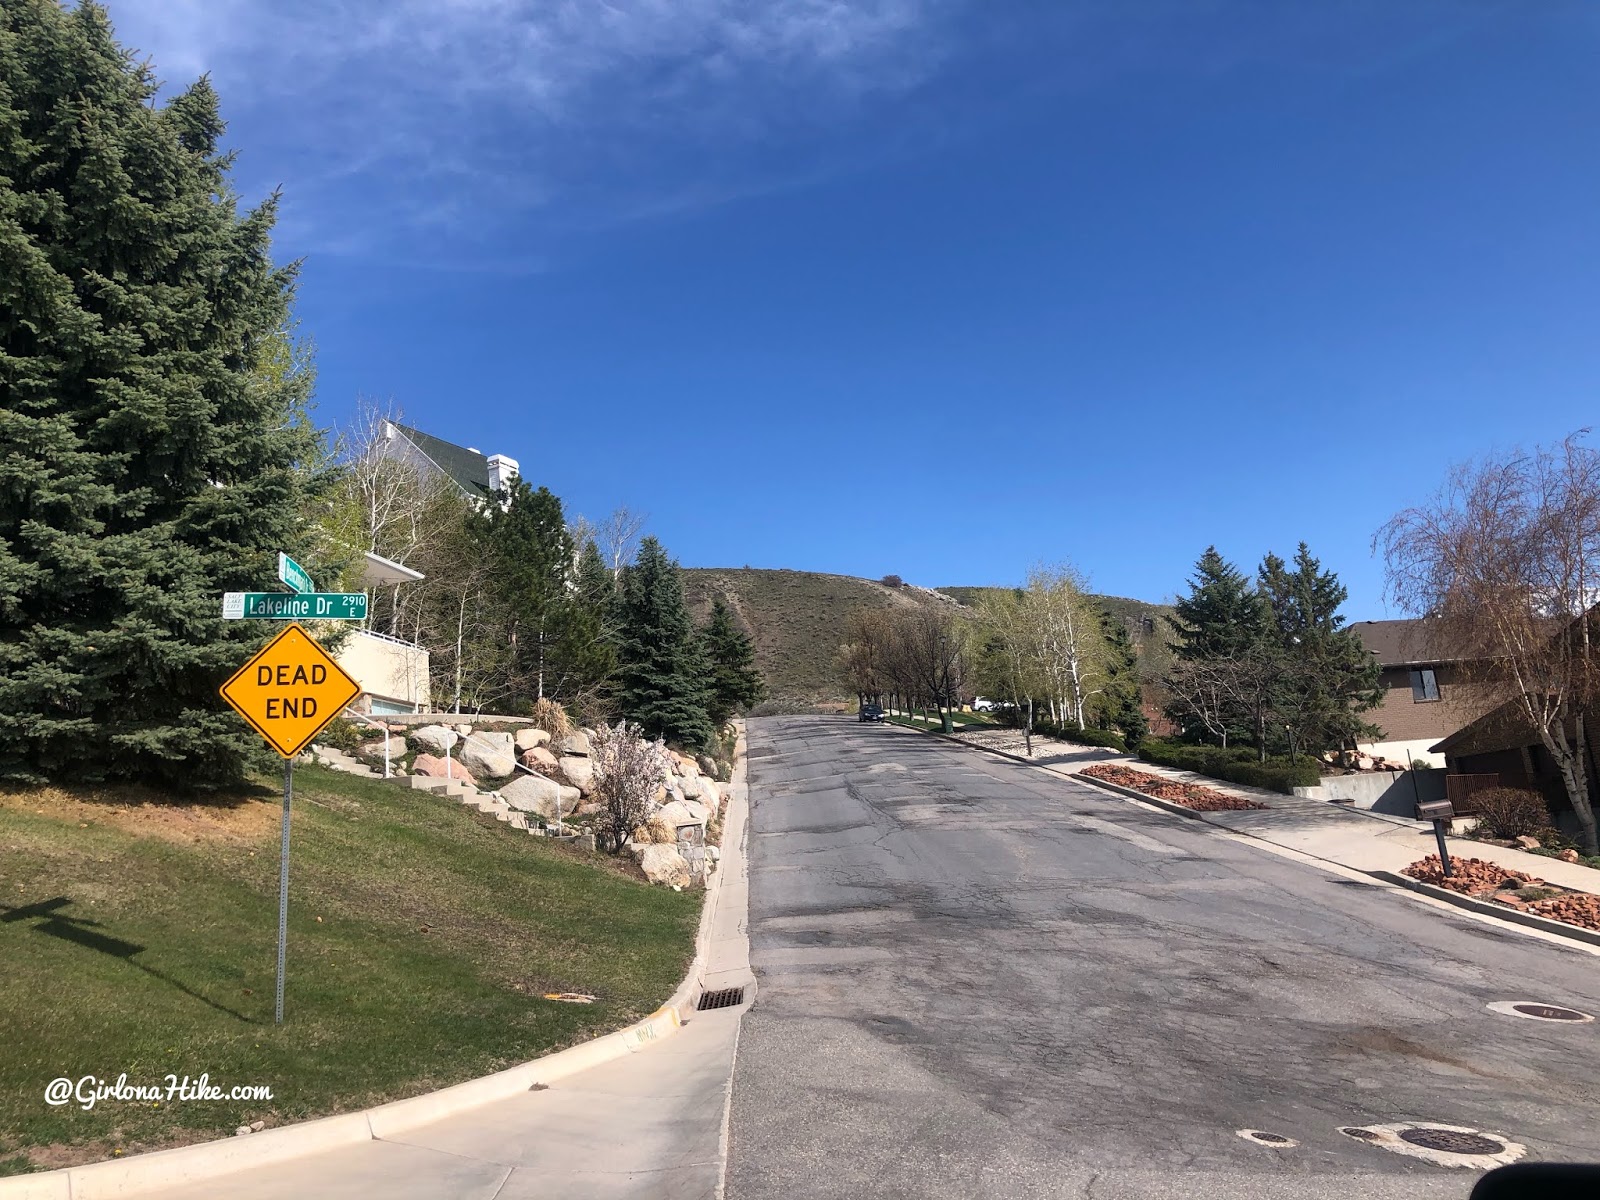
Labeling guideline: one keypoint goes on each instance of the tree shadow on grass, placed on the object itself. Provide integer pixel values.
(50, 921)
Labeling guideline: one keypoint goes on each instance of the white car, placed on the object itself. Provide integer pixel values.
(979, 704)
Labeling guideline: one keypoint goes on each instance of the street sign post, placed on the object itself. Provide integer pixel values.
(288, 691)
(305, 606)
(293, 574)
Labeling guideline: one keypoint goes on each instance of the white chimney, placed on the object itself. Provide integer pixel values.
(502, 470)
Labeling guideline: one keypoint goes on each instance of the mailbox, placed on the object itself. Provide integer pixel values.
(1435, 810)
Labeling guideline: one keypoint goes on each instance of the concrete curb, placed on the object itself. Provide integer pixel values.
(1488, 908)
(146, 1173)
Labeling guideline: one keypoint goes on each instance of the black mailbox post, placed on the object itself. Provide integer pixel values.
(1441, 813)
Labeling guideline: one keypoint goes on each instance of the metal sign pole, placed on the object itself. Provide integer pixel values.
(283, 884)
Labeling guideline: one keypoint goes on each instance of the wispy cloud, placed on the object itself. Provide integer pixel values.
(450, 120)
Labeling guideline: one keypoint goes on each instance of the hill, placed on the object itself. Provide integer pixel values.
(797, 620)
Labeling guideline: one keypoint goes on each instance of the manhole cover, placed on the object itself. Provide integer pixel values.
(725, 998)
(1549, 1012)
(1536, 1010)
(1451, 1141)
(1262, 1138)
(1442, 1145)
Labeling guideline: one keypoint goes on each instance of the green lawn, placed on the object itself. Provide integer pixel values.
(140, 939)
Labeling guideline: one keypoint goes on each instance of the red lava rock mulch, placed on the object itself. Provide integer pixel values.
(1190, 795)
(1488, 881)
(1471, 877)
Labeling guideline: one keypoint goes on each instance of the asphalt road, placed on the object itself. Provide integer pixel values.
(978, 979)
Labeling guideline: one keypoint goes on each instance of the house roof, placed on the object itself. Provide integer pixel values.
(1405, 643)
(467, 467)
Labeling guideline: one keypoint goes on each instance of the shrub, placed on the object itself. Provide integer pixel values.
(344, 735)
(892, 581)
(1505, 812)
(1083, 737)
(1236, 764)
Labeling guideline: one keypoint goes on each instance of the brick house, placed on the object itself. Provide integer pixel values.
(1425, 697)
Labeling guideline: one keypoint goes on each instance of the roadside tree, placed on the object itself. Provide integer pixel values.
(153, 452)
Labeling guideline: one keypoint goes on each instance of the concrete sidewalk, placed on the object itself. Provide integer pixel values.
(1350, 837)
(652, 1124)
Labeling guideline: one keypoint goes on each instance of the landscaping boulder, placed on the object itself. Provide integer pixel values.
(576, 743)
(708, 766)
(489, 754)
(540, 759)
(662, 864)
(439, 768)
(464, 730)
(579, 771)
(529, 739)
(686, 766)
(1527, 842)
(535, 794)
(682, 812)
(435, 739)
(571, 797)
(692, 787)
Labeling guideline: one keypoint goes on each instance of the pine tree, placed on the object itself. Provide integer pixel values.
(662, 671)
(1221, 616)
(736, 683)
(1328, 676)
(532, 551)
(1119, 705)
(151, 451)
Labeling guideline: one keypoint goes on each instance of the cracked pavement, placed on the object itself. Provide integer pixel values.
(981, 979)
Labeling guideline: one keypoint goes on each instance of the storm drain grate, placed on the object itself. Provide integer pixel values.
(1363, 1135)
(1452, 1141)
(725, 998)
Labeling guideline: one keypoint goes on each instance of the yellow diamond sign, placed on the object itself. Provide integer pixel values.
(290, 690)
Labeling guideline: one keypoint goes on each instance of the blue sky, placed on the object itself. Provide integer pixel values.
(936, 287)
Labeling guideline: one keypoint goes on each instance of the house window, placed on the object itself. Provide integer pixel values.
(1424, 685)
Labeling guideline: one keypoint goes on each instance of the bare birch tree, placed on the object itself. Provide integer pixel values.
(1067, 639)
(1506, 559)
(618, 537)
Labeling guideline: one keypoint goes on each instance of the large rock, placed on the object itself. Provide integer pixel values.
(686, 765)
(682, 812)
(535, 794)
(528, 739)
(693, 787)
(576, 743)
(662, 864)
(435, 739)
(539, 758)
(441, 768)
(489, 754)
(708, 766)
(579, 771)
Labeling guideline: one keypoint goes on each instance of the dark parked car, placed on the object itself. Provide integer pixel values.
(870, 712)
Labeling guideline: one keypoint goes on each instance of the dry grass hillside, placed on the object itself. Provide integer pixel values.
(798, 619)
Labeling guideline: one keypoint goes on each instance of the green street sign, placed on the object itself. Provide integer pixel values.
(293, 574)
(311, 606)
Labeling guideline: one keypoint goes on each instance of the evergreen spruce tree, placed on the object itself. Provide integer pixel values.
(1328, 676)
(736, 683)
(662, 676)
(532, 551)
(151, 453)
(1119, 705)
(1220, 617)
